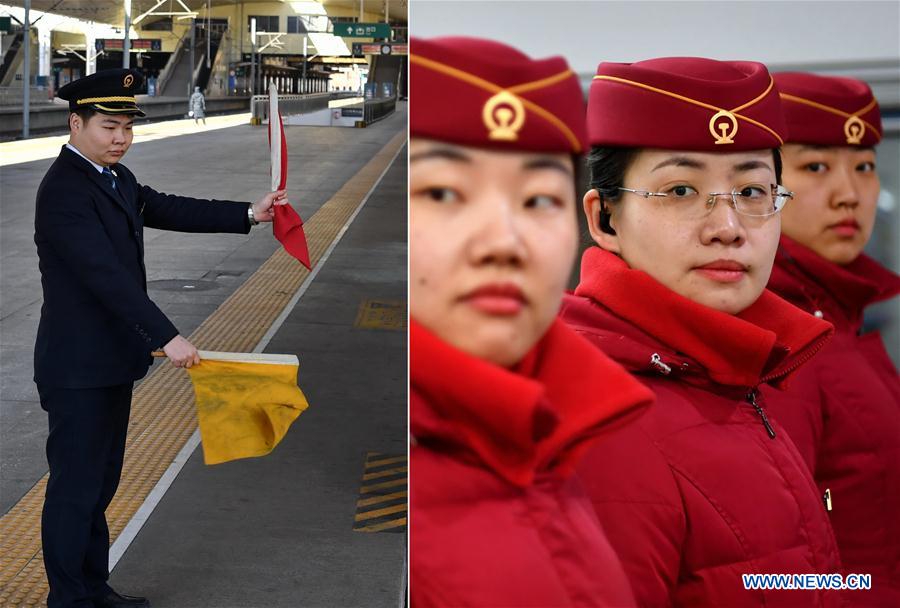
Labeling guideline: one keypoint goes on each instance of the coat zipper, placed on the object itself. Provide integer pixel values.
(751, 398)
(811, 352)
(657, 362)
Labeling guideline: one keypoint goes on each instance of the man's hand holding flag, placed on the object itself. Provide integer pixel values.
(264, 210)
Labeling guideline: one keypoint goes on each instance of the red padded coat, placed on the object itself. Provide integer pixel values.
(497, 517)
(706, 486)
(843, 412)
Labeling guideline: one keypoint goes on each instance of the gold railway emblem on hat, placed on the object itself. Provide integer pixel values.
(503, 115)
(128, 80)
(854, 129)
(727, 129)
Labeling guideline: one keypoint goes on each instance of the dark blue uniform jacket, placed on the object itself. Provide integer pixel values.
(98, 326)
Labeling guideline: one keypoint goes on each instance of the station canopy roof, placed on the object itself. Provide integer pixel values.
(112, 12)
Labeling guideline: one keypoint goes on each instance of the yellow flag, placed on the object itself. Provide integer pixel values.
(245, 402)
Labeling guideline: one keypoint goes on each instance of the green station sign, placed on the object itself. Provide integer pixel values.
(362, 30)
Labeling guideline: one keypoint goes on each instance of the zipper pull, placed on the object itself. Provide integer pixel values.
(751, 397)
(656, 361)
(827, 499)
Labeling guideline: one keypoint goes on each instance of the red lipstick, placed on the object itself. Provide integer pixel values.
(723, 271)
(501, 299)
(847, 228)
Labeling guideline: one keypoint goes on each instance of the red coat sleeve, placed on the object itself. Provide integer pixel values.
(638, 503)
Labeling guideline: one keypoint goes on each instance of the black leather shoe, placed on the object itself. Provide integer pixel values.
(115, 600)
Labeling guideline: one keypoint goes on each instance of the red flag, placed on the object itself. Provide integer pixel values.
(289, 230)
(288, 227)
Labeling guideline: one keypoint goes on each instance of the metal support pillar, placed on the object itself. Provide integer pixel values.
(26, 80)
(45, 52)
(252, 56)
(208, 37)
(126, 41)
(193, 65)
(90, 50)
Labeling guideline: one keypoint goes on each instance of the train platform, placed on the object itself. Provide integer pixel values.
(321, 520)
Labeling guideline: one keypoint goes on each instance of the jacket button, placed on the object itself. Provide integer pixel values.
(818, 314)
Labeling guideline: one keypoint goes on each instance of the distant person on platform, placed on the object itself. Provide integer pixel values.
(198, 106)
(98, 327)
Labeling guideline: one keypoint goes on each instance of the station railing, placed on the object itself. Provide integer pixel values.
(289, 104)
(376, 109)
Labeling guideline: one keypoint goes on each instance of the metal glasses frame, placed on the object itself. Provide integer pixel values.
(780, 197)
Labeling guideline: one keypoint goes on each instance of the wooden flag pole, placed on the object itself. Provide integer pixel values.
(241, 357)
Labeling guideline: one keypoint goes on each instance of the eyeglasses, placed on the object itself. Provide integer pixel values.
(753, 200)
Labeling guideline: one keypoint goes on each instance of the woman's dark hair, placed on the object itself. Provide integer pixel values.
(776, 158)
(578, 168)
(607, 167)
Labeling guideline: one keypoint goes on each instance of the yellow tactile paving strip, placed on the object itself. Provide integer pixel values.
(162, 414)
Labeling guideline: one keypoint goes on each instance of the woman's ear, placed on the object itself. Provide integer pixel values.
(600, 221)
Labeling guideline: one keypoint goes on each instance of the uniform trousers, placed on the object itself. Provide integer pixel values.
(85, 451)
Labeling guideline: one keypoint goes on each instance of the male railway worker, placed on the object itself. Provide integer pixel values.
(98, 326)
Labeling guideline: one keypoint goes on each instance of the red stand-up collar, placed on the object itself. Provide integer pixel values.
(858, 284)
(764, 343)
(523, 420)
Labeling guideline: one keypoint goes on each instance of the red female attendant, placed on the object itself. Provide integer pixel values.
(503, 397)
(843, 410)
(684, 209)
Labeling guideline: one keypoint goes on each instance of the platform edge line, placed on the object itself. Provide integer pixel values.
(404, 572)
(140, 517)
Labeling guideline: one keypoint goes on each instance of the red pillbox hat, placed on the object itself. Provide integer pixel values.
(685, 103)
(485, 94)
(828, 110)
